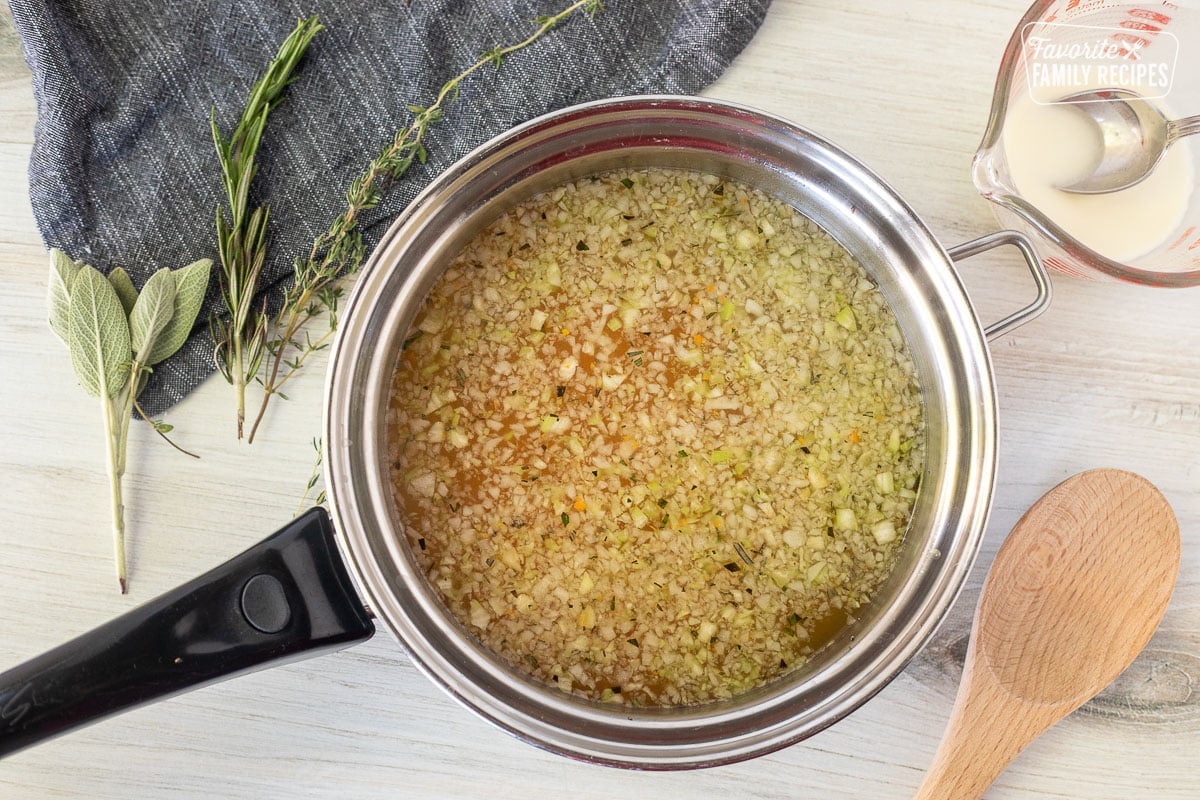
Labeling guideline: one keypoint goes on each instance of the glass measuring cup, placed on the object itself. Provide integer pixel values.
(1152, 47)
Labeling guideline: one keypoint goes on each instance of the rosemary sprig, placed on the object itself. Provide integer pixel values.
(339, 251)
(242, 235)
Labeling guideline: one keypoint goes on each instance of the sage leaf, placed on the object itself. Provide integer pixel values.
(62, 274)
(120, 281)
(152, 312)
(98, 334)
(191, 283)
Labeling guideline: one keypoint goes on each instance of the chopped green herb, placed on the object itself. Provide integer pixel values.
(581, 245)
(566, 520)
(627, 183)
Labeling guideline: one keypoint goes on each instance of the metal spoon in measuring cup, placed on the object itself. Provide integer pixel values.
(1073, 596)
(1134, 136)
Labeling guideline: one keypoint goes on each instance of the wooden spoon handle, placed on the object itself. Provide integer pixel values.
(982, 737)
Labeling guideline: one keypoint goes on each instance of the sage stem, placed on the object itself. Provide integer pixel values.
(115, 440)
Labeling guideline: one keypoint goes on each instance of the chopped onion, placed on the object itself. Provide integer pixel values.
(681, 445)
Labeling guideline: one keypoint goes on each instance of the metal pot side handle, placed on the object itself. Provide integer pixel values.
(1040, 277)
(287, 597)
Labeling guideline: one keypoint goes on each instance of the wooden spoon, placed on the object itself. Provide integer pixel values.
(1073, 596)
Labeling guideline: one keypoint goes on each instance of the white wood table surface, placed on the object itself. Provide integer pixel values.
(1109, 376)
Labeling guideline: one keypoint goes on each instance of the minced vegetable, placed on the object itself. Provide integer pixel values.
(655, 437)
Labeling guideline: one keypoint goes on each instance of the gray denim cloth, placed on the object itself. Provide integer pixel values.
(124, 173)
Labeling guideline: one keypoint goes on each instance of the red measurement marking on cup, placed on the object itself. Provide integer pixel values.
(1153, 16)
(1054, 262)
(1138, 25)
(1191, 231)
(1132, 42)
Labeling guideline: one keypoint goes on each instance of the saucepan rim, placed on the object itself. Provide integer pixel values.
(916, 273)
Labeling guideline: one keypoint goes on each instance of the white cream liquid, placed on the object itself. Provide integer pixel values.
(1049, 145)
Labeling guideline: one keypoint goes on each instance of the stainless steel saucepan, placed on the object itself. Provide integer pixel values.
(306, 588)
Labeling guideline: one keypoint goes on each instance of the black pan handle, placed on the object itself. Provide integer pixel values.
(286, 598)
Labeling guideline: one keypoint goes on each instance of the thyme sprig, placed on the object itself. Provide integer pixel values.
(239, 342)
(314, 478)
(339, 251)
